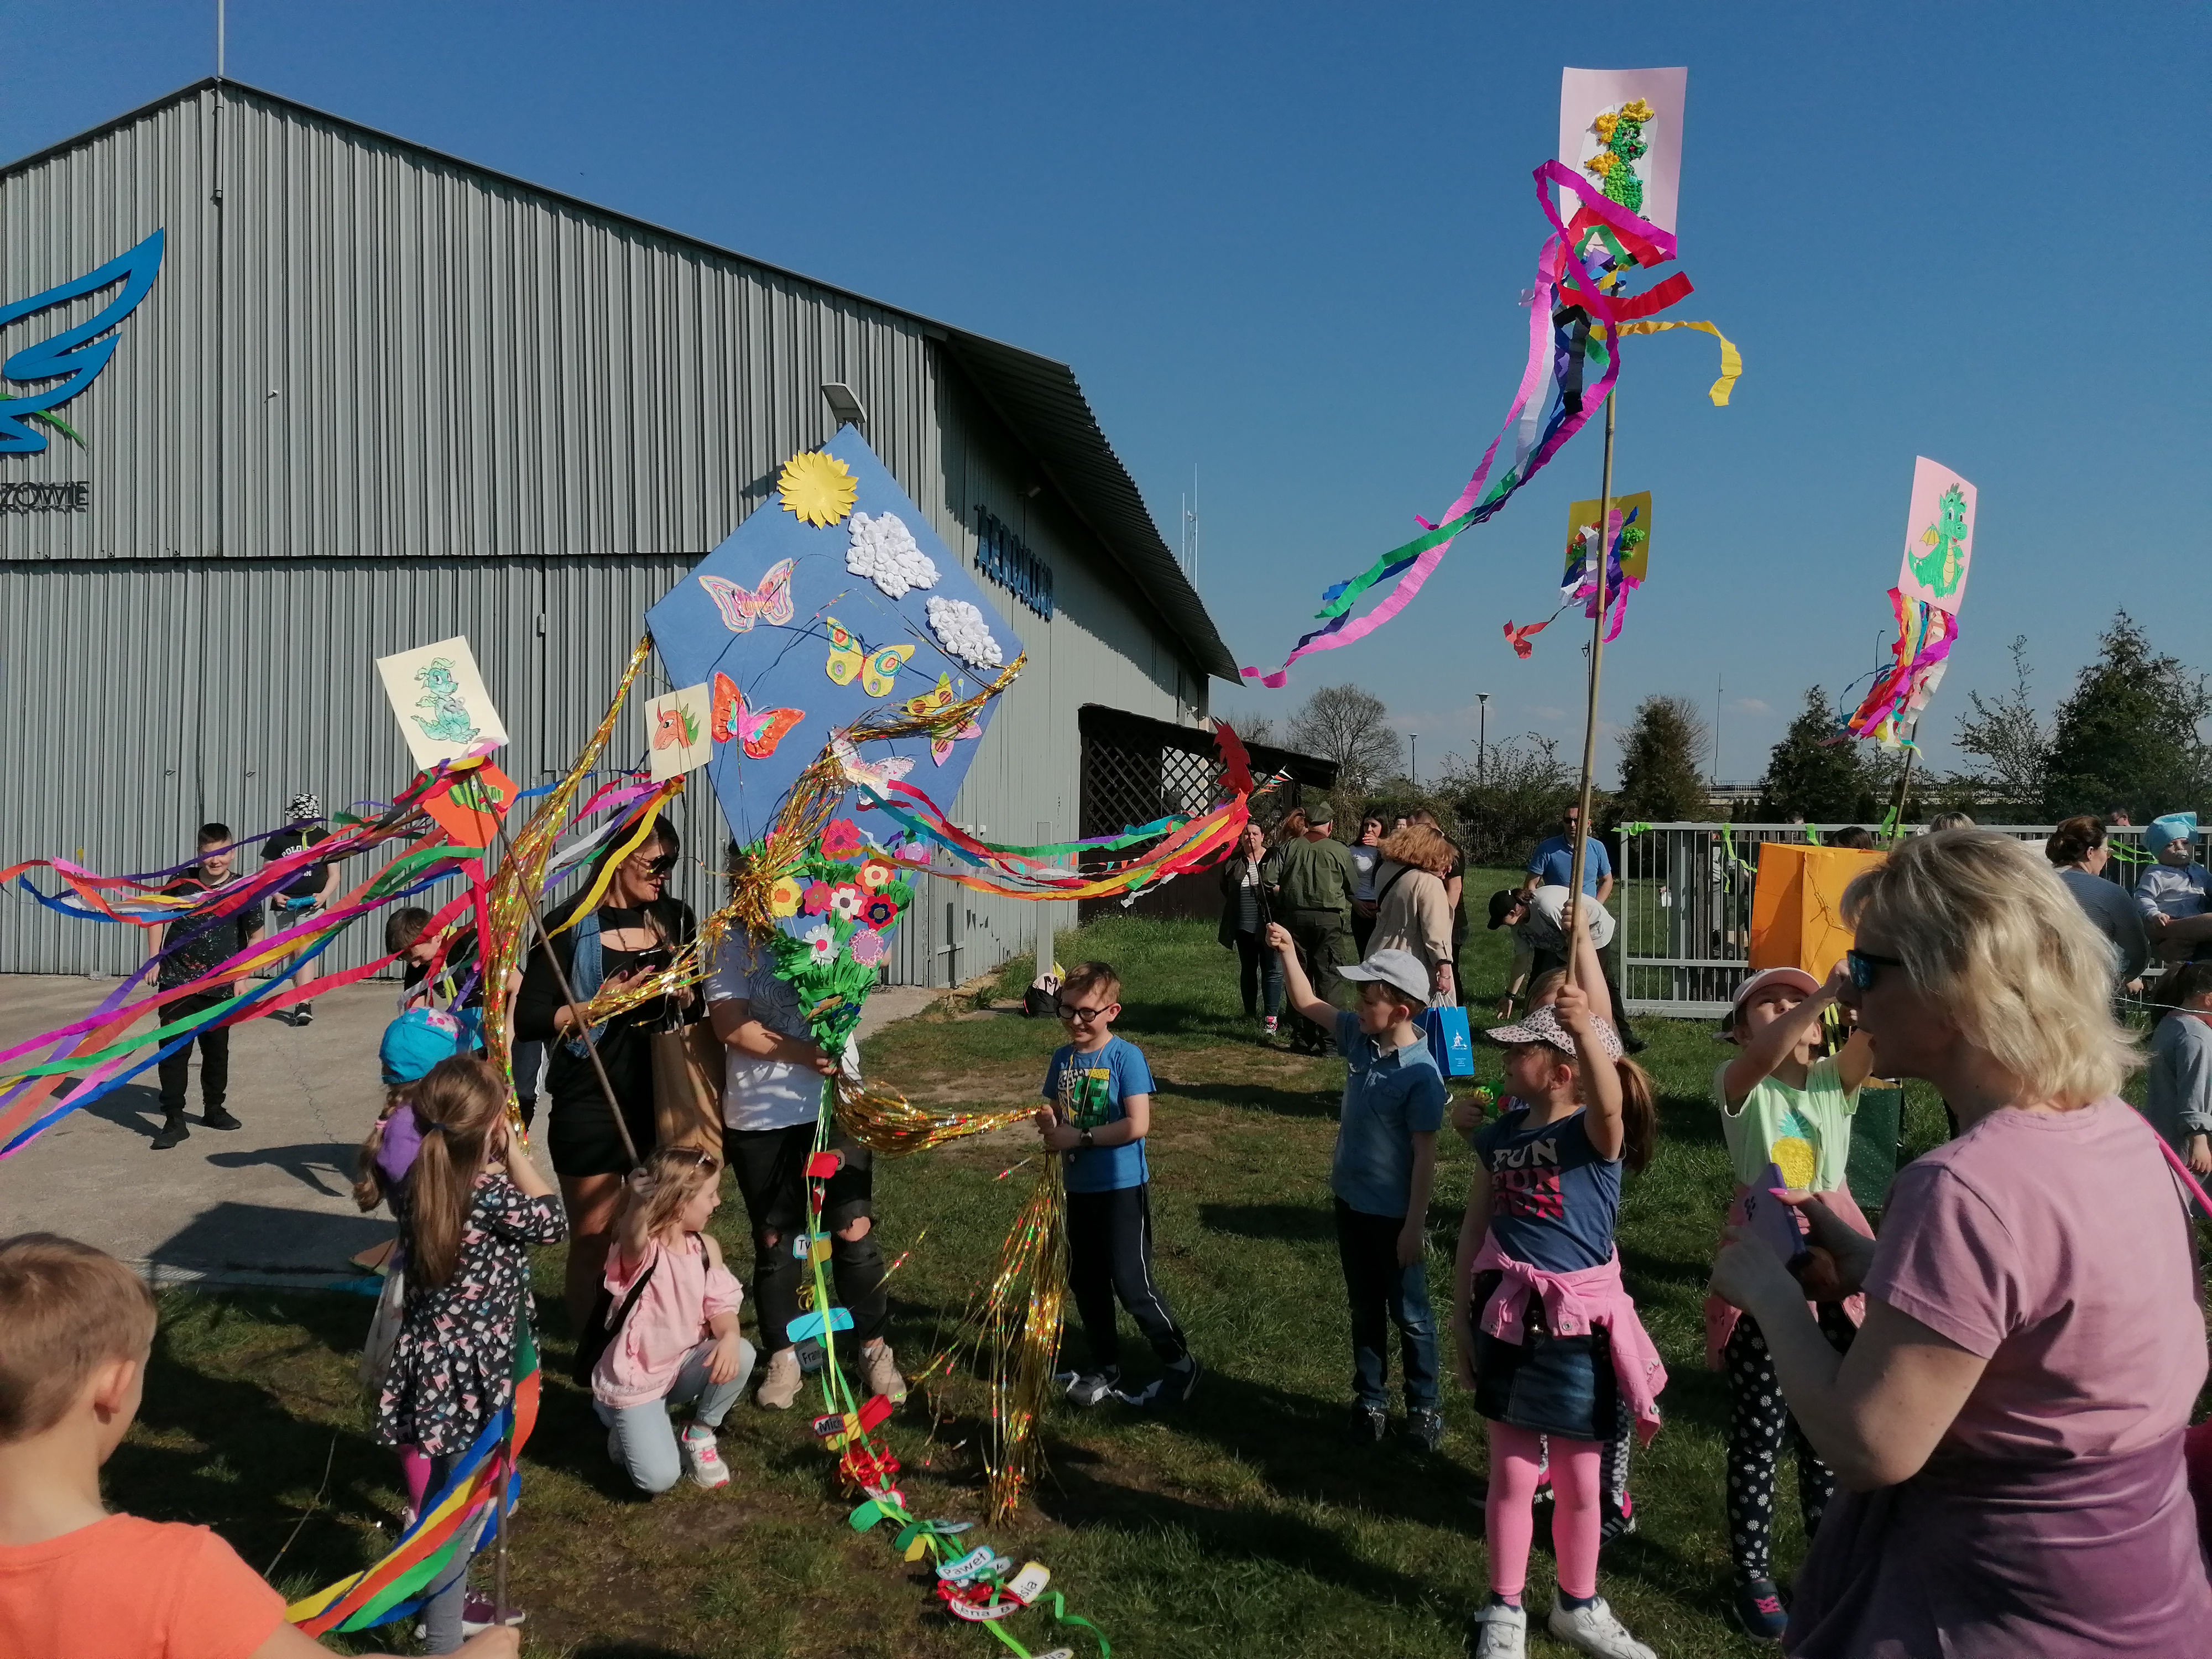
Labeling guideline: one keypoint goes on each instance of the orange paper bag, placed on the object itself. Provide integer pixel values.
(1797, 905)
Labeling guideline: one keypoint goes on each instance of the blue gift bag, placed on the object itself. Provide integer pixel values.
(1451, 1043)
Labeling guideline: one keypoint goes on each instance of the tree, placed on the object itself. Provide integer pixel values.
(1522, 798)
(2010, 742)
(1256, 728)
(1349, 726)
(1810, 777)
(2128, 734)
(1660, 756)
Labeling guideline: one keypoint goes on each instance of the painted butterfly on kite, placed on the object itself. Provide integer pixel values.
(849, 658)
(928, 704)
(758, 730)
(742, 606)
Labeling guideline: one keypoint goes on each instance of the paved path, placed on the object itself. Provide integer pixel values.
(268, 1203)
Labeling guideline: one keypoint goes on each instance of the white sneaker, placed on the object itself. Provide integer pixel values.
(781, 1385)
(703, 1458)
(1504, 1633)
(1595, 1629)
(879, 1366)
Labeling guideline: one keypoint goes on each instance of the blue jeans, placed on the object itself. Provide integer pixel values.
(644, 1438)
(1382, 1294)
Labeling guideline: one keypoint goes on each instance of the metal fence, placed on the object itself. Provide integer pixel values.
(1684, 904)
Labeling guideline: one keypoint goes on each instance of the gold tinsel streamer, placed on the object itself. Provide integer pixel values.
(1021, 1326)
(883, 1120)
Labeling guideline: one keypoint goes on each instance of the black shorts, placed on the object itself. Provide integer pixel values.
(770, 1166)
(1561, 1385)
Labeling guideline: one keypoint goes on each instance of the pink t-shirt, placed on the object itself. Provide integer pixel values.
(669, 1321)
(2054, 1246)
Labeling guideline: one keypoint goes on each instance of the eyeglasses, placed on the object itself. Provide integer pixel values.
(1085, 1015)
(1865, 966)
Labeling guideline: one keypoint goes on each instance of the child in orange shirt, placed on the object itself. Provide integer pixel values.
(74, 1579)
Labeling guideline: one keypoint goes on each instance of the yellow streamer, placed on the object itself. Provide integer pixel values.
(1731, 359)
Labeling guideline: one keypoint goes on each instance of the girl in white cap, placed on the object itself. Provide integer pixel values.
(1780, 1106)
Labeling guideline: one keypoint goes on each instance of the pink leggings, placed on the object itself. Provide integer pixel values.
(416, 1468)
(1516, 1456)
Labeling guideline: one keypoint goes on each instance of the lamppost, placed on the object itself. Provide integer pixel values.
(1482, 737)
(1415, 738)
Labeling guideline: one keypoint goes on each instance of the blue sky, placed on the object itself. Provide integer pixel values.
(1284, 244)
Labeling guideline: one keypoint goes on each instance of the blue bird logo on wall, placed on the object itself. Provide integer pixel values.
(71, 360)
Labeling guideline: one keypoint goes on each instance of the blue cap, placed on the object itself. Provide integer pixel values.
(2161, 833)
(421, 1037)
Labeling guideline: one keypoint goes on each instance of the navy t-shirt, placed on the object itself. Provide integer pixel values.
(1100, 1082)
(1553, 1201)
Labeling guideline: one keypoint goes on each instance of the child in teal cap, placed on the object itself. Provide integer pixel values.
(2174, 889)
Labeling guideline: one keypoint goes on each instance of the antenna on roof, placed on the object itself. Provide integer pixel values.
(1190, 528)
(218, 38)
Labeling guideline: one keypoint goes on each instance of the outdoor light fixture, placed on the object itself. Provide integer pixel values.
(843, 404)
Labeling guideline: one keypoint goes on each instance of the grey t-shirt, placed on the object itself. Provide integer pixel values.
(1545, 927)
(2180, 1078)
(766, 1093)
(2108, 905)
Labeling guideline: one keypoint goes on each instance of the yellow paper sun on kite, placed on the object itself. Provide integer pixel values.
(818, 488)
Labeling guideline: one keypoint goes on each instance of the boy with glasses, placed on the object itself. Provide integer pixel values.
(1102, 1094)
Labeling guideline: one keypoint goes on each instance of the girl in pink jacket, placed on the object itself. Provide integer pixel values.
(678, 1342)
(1548, 1337)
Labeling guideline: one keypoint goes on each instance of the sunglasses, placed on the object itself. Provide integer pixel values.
(660, 866)
(1865, 967)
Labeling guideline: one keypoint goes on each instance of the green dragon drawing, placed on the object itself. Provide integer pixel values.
(450, 722)
(1941, 568)
(1621, 132)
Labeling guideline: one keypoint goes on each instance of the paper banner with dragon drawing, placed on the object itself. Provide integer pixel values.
(1932, 581)
(1624, 128)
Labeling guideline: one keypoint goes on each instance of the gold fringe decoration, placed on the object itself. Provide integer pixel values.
(1021, 1329)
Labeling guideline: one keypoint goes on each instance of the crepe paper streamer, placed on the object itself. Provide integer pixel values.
(811, 1324)
(642, 829)
(1559, 343)
(1925, 636)
(1731, 359)
(820, 1166)
(873, 1411)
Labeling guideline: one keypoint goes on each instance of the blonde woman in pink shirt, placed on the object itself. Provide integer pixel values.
(676, 1306)
(2008, 1425)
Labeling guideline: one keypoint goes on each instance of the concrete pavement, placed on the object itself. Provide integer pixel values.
(268, 1203)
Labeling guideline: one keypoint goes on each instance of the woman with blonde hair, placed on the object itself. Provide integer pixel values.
(2008, 1424)
(1411, 910)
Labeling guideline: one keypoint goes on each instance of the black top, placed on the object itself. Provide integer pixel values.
(309, 880)
(460, 966)
(623, 1048)
(197, 944)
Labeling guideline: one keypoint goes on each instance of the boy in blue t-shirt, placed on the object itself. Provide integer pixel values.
(1102, 1094)
(1384, 1166)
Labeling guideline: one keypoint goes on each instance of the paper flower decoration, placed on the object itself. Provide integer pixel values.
(818, 898)
(821, 943)
(784, 898)
(879, 912)
(841, 840)
(845, 900)
(819, 489)
(878, 871)
(913, 851)
(961, 630)
(882, 549)
(868, 949)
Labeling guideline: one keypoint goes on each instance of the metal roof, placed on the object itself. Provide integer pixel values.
(1038, 398)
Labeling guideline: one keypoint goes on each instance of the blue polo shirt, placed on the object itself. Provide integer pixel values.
(1102, 1081)
(1554, 860)
(1389, 1096)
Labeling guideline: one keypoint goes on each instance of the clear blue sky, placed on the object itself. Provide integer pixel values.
(1284, 244)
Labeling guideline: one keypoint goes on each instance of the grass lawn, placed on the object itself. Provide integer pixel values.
(1243, 1525)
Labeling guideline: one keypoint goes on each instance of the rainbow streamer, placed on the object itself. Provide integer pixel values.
(1573, 318)
(1925, 634)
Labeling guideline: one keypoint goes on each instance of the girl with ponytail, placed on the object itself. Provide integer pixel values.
(471, 1205)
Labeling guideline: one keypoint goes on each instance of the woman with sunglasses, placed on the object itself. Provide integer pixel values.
(635, 930)
(2008, 1424)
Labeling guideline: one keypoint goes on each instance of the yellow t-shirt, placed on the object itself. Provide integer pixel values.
(1805, 1133)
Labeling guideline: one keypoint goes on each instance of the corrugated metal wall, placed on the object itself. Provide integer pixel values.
(389, 398)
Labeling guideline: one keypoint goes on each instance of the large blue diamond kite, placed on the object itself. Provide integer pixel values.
(800, 629)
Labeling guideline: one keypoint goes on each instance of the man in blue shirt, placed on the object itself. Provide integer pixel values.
(1384, 1167)
(1551, 865)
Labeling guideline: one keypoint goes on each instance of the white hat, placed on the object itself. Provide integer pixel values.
(1400, 968)
(1765, 977)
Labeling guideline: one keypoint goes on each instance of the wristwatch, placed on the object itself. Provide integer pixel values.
(1086, 1138)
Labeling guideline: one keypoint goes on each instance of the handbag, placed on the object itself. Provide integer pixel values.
(689, 1066)
(606, 1324)
(1451, 1041)
(383, 1326)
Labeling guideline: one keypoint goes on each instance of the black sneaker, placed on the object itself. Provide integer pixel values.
(215, 1118)
(303, 1015)
(1172, 1387)
(1426, 1428)
(1369, 1426)
(1089, 1388)
(1618, 1522)
(173, 1131)
(1756, 1609)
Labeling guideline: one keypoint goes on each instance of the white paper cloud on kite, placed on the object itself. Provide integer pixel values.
(882, 549)
(961, 630)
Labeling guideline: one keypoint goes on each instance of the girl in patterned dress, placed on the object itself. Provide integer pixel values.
(472, 1206)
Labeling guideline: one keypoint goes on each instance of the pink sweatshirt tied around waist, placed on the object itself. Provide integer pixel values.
(1574, 1304)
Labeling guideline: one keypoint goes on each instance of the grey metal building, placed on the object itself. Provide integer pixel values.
(376, 396)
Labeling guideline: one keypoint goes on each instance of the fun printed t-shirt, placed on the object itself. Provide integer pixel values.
(197, 944)
(1390, 1095)
(128, 1588)
(1099, 1083)
(2054, 1246)
(1553, 1201)
(1805, 1133)
(307, 882)
(767, 1094)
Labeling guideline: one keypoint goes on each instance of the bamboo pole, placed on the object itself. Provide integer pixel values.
(1596, 667)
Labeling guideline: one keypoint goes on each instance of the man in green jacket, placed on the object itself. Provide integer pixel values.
(1315, 878)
